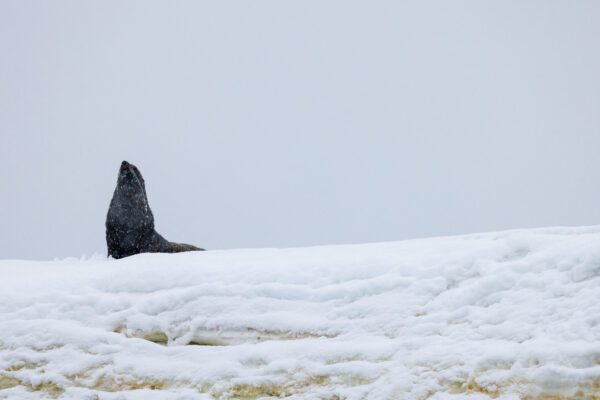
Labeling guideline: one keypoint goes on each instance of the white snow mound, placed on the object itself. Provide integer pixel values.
(504, 315)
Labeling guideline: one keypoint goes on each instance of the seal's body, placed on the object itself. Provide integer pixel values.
(130, 223)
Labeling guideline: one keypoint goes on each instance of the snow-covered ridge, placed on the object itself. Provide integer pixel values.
(511, 314)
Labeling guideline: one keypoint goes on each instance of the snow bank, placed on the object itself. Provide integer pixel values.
(500, 315)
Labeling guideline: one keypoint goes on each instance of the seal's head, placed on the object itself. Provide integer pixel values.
(129, 206)
(130, 180)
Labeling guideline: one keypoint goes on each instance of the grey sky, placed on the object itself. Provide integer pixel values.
(275, 123)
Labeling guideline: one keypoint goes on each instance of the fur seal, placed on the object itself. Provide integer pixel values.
(130, 223)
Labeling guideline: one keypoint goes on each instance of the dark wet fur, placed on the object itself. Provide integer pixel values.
(130, 223)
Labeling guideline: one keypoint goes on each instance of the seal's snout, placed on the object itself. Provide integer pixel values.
(124, 165)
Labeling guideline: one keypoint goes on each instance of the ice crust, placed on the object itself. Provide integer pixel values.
(507, 315)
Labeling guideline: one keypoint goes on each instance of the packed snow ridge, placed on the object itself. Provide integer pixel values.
(507, 315)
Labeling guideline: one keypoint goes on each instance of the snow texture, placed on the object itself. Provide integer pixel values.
(504, 315)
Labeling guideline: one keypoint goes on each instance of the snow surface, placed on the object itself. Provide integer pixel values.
(505, 315)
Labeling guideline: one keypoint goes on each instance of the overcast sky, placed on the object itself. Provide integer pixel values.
(272, 123)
